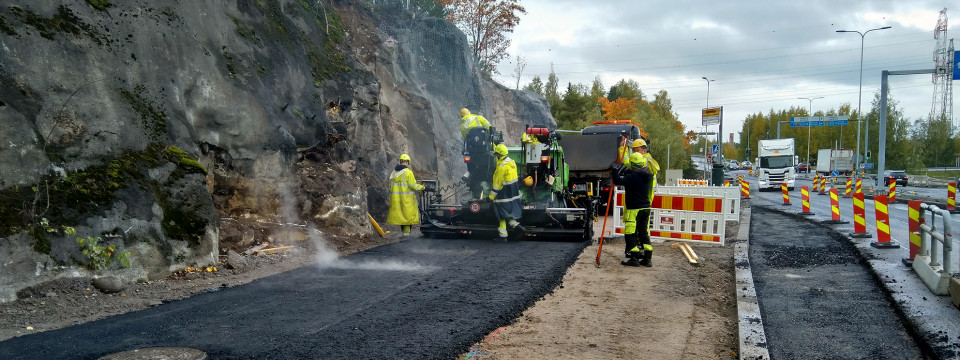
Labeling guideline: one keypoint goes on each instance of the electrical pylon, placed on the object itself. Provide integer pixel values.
(942, 80)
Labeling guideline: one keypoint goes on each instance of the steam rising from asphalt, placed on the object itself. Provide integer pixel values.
(328, 258)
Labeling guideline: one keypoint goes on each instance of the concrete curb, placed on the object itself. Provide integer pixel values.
(753, 340)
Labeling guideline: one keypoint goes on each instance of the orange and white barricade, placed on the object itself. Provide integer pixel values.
(731, 201)
(883, 223)
(619, 202)
(691, 182)
(697, 219)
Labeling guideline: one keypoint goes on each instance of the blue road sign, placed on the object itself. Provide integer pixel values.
(867, 166)
(716, 148)
(956, 65)
(804, 121)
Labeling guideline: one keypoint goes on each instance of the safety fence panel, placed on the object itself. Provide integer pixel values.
(689, 218)
(619, 202)
(691, 182)
(730, 196)
(691, 226)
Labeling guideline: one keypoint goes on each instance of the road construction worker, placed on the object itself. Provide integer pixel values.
(636, 179)
(469, 121)
(403, 197)
(505, 193)
(640, 146)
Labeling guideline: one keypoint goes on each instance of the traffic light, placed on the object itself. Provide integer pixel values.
(748, 153)
(868, 155)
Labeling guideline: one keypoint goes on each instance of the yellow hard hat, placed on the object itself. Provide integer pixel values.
(464, 112)
(637, 160)
(404, 157)
(638, 143)
(528, 181)
(500, 149)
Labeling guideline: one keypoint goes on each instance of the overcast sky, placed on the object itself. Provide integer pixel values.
(761, 55)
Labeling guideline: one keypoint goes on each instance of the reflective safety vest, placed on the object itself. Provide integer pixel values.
(403, 198)
(506, 190)
(471, 121)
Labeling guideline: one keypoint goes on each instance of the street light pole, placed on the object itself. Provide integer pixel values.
(866, 135)
(810, 113)
(706, 130)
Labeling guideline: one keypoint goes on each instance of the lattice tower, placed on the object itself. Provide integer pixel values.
(943, 61)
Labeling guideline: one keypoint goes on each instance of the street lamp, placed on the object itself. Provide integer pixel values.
(810, 113)
(866, 135)
(708, 90)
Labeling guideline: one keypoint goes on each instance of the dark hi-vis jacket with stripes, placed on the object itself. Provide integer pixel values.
(507, 191)
(637, 184)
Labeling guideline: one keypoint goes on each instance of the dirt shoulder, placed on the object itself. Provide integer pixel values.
(673, 310)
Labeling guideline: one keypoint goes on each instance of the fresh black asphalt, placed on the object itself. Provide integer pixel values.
(816, 296)
(417, 299)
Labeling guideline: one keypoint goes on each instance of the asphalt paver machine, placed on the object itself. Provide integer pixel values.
(553, 210)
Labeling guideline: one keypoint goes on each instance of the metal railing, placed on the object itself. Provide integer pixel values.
(933, 268)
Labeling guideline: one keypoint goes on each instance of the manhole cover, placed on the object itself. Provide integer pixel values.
(159, 353)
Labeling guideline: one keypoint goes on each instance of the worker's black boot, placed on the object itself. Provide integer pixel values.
(632, 260)
(630, 242)
(647, 259)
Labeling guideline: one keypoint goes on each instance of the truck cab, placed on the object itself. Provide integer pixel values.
(776, 164)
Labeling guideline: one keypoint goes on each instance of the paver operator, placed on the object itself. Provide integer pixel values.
(636, 179)
(505, 192)
(403, 197)
(469, 121)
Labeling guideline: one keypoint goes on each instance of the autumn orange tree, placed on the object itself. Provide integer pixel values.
(619, 109)
(486, 24)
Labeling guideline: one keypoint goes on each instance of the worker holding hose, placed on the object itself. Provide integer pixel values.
(403, 197)
(636, 179)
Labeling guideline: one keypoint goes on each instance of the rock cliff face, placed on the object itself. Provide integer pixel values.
(163, 127)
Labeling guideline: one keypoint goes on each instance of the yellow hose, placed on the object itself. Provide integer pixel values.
(375, 225)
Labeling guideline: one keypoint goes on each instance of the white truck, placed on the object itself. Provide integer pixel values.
(776, 163)
(839, 160)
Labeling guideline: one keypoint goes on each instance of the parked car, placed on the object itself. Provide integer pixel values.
(733, 165)
(900, 176)
(803, 167)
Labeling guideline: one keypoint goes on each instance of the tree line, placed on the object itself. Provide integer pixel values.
(911, 144)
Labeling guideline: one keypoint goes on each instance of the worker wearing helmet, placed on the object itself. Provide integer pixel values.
(640, 146)
(505, 193)
(469, 121)
(403, 198)
(636, 179)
